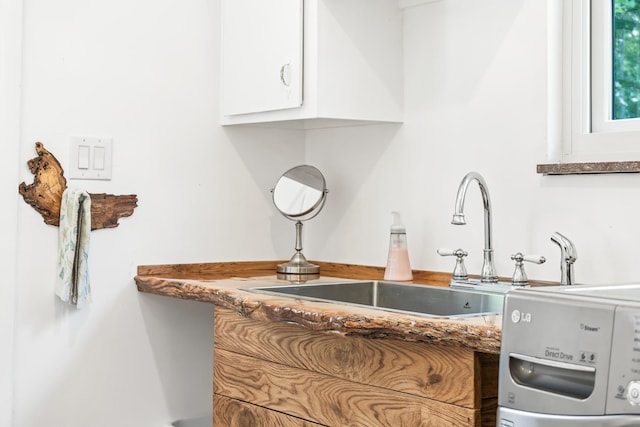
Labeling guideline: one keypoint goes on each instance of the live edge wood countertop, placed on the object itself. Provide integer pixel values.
(222, 284)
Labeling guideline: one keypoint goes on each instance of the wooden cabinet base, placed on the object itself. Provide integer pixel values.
(277, 374)
(235, 413)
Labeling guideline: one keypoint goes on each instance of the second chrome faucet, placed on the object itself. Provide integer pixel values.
(568, 256)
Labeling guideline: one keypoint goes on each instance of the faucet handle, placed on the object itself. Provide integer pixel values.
(519, 276)
(459, 271)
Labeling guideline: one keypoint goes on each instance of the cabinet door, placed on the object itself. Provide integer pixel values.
(261, 55)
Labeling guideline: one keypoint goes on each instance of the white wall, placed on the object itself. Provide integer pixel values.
(475, 99)
(145, 73)
(10, 61)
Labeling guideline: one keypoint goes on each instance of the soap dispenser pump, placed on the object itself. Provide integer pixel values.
(398, 266)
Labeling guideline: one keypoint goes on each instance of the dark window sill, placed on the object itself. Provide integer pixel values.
(588, 168)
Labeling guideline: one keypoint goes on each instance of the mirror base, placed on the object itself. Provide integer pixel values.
(297, 278)
(289, 268)
(298, 265)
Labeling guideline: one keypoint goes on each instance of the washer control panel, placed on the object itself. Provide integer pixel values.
(624, 372)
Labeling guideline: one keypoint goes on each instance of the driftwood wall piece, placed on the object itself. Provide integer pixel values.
(45, 194)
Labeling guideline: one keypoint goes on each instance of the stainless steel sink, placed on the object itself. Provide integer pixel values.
(398, 297)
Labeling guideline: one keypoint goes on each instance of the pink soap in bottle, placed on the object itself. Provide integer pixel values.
(398, 267)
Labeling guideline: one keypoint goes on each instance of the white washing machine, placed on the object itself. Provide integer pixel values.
(570, 356)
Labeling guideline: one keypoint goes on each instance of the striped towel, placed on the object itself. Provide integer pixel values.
(72, 282)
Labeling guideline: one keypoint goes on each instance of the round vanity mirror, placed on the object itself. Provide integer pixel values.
(299, 195)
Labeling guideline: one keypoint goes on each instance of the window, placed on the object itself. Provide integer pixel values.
(626, 60)
(595, 48)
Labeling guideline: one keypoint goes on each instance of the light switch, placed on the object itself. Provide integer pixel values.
(90, 158)
(83, 157)
(98, 158)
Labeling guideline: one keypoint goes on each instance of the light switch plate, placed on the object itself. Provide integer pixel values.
(90, 157)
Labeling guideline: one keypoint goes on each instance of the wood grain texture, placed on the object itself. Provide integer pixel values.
(489, 365)
(489, 412)
(229, 269)
(328, 400)
(297, 352)
(49, 183)
(224, 270)
(235, 413)
(210, 270)
(442, 373)
(107, 209)
(477, 333)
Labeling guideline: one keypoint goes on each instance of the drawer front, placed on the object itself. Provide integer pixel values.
(235, 413)
(328, 400)
(447, 374)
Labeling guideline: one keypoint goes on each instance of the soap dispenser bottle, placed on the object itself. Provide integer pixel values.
(398, 267)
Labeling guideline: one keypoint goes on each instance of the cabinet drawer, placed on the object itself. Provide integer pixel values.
(235, 413)
(328, 400)
(447, 374)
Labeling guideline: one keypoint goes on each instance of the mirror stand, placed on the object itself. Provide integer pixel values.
(298, 264)
(299, 195)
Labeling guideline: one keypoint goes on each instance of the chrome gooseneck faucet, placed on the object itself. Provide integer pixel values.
(488, 274)
(568, 256)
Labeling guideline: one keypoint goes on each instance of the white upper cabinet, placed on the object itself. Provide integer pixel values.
(262, 55)
(311, 63)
